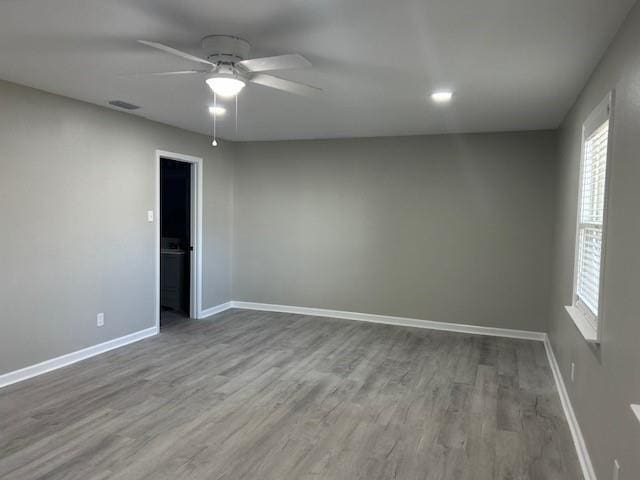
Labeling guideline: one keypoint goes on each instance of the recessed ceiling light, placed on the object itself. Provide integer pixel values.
(217, 110)
(442, 96)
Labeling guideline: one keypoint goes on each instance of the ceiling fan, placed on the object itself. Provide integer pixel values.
(228, 68)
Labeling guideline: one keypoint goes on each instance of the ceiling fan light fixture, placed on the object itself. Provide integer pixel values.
(225, 86)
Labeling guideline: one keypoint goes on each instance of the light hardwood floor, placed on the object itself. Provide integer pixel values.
(255, 395)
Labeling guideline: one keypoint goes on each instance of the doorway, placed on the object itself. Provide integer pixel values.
(178, 237)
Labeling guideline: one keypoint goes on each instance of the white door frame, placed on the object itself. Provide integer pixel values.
(195, 287)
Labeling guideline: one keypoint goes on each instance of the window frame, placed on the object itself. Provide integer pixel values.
(588, 323)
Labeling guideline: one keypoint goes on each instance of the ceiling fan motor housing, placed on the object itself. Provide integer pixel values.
(225, 48)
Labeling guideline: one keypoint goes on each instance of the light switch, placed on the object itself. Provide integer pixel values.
(150, 216)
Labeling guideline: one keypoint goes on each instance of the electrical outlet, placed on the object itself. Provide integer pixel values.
(573, 371)
(100, 319)
(150, 216)
(616, 470)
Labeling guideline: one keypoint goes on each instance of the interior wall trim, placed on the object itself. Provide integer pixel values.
(390, 320)
(576, 433)
(195, 258)
(31, 371)
(73, 357)
(207, 312)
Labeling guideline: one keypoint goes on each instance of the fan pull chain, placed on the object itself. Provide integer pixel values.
(236, 116)
(215, 109)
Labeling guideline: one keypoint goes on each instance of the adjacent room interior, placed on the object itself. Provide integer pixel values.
(320, 240)
(175, 239)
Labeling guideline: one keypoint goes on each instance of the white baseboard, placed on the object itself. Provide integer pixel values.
(576, 433)
(405, 322)
(73, 357)
(581, 447)
(207, 312)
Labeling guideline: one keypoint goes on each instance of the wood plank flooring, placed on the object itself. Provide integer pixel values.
(256, 395)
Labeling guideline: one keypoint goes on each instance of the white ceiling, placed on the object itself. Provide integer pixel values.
(514, 64)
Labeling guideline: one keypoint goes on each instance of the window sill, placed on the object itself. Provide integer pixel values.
(636, 410)
(588, 332)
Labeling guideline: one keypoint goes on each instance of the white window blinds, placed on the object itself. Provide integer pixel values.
(591, 219)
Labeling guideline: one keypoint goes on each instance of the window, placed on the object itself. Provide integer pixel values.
(592, 205)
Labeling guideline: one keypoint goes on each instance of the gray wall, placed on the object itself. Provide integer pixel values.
(76, 181)
(608, 378)
(445, 228)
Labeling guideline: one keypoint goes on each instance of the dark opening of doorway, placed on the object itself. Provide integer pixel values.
(175, 238)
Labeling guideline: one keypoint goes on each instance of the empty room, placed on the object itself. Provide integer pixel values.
(319, 239)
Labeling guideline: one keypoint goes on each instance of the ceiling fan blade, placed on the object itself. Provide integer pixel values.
(164, 74)
(173, 51)
(279, 62)
(285, 85)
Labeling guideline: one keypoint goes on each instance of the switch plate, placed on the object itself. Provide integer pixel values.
(573, 371)
(100, 319)
(616, 470)
(149, 216)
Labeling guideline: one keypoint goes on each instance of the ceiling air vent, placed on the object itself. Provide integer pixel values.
(125, 105)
